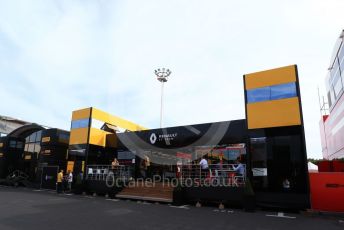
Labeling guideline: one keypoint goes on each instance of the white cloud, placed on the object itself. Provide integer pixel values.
(58, 56)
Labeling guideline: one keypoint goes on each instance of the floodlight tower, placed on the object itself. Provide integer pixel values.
(162, 76)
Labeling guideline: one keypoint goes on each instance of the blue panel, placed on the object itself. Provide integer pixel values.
(283, 91)
(274, 92)
(83, 123)
(259, 94)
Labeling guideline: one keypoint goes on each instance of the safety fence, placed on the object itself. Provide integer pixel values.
(103, 172)
(233, 175)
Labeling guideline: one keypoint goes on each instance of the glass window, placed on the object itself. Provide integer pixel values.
(13, 144)
(341, 59)
(337, 84)
(333, 98)
(38, 136)
(283, 91)
(329, 99)
(32, 137)
(31, 148)
(37, 148)
(26, 147)
(20, 145)
(83, 123)
(274, 92)
(64, 136)
(257, 95)
(259, 163)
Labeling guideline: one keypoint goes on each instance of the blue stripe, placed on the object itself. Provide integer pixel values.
(273, 92)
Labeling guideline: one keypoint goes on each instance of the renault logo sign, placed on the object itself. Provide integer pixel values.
(153, 138)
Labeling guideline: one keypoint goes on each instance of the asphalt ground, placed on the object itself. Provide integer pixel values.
(27, 209)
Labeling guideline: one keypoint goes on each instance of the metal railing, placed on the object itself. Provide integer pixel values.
(102, 172)
(215, 175)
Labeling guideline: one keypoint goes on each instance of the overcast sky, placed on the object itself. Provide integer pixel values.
(59, 56)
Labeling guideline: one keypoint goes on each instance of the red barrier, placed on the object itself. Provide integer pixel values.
(325, 166)
(327, 191)
(338, 166)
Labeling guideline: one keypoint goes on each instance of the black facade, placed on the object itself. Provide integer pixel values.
(279, 150)
(30, 147)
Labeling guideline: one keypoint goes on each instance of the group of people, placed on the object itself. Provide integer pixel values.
(239, 168)
(64, 182)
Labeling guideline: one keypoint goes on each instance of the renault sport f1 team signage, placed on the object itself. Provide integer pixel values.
(162, 137)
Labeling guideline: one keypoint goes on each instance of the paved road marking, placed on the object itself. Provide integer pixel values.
(180, 207)
(89, 197)
(281, 215)
(223, 211)
(114, 200)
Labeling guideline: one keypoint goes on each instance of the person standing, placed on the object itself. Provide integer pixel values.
(70, 180)
(114, 164)
(204, 167)
(239, 169)
(148, 167)
(286, 185)
(143, 168)
(59, 181)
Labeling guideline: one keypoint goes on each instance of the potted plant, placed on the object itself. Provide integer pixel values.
(249, 198)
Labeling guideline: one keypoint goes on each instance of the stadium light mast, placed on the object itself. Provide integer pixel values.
(162, 76)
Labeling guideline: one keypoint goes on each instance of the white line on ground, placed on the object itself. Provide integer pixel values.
(281, 215)
(114, 200)
(180, 207)
(89, 197)
(223, 211)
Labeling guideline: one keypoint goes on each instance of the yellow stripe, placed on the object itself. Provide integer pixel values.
(277, 76)
(78, 136)
(276, 113)
(45, 139)
(81, 114)
(114, 120)
(97, 137)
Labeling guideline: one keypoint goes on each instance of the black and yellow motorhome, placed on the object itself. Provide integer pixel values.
(32, 147)
(93, 138)
(272, 133)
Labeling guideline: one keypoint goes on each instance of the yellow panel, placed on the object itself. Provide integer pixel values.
(98, 137)
(78, 136)
(276, 113)
(46, 152)
(271, 77)
(1, 145)
(70, 166)
(45, 139)
(114, 120)
(81, 114)
(1, 154)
